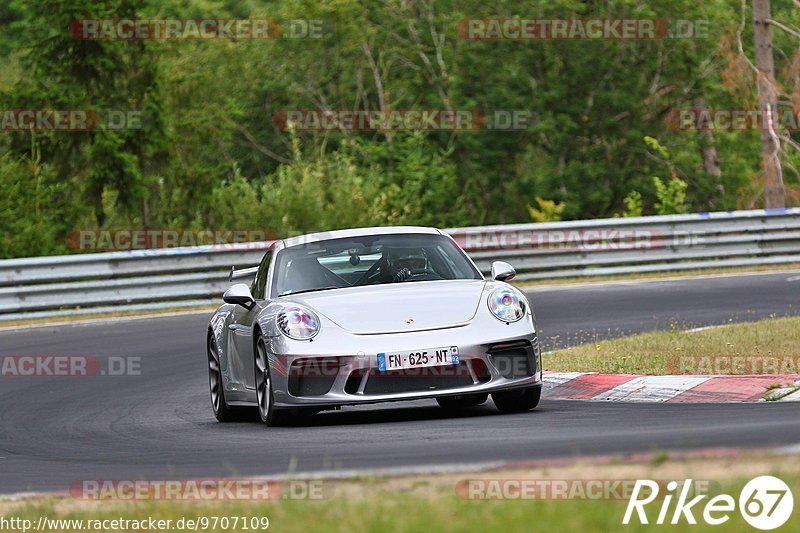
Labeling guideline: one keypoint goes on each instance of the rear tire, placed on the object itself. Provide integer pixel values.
(517, 401)
(462, 401)
(266, 401)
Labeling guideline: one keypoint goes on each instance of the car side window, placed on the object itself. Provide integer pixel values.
(260, 283)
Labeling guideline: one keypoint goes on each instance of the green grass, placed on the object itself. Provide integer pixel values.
(668, 274)
(654, 352)
(60, 319)
(382, 510)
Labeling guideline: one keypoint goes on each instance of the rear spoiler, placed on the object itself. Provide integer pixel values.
(243, 273)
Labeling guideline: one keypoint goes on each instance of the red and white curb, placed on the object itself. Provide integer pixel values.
(686, 389)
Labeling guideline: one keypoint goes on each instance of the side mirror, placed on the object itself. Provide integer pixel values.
(239, 294)
(502, 271)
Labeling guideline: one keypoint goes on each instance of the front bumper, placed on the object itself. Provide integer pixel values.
(305, 375)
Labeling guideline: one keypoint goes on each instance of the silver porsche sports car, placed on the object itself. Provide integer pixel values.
(371, 315)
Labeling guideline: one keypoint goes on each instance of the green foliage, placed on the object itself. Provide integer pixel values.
(549, 210)
(633, 205)
(654, 145)
(671, 196)
(209, 155)
(346, 188)
(36, 209)
(318, 194)
(99, 76)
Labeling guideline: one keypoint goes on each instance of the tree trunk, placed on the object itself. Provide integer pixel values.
(708, 153)
(774, 192)
(145, 216)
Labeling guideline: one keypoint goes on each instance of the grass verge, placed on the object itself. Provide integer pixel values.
(653, 352)
(789, 268)
(90, 317)
(432, 503)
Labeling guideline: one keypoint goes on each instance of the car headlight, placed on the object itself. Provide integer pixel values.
(298, 323)
(506, 305)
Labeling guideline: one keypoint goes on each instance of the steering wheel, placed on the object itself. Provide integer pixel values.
(427, 272)
(369, 273)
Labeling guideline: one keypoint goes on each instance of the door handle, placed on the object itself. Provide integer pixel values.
(233, 327)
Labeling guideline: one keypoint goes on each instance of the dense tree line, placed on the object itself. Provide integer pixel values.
(211, 151)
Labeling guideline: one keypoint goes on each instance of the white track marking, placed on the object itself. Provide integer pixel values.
(793, 397)
(552, 380)
(706, 328)
(651, 388)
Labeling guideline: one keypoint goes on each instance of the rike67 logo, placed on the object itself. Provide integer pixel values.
(765, 503)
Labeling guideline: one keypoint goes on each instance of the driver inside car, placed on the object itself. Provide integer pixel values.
(404, 262)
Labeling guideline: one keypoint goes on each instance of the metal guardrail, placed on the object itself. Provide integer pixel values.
(182, 277)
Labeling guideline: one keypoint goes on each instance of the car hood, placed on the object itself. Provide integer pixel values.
(397, 307)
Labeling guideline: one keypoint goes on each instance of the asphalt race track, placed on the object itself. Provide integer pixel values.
(159, 425)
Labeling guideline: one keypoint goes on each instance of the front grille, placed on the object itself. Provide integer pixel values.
(513, 359)
(418, 379)
(313, 376)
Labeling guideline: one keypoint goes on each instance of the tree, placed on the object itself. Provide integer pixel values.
(100, 76)
(774, 192)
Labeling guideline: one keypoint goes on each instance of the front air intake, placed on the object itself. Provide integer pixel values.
(313, 376)
(513, 359)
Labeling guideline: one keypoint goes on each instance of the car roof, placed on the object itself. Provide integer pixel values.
(358, 232)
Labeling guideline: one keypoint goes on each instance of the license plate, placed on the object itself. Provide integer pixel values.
(418, 358)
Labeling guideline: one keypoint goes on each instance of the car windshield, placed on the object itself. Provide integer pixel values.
(369, 260)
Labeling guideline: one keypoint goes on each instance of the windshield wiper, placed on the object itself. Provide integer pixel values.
(310, 290)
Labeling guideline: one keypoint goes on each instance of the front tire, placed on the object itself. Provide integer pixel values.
(222, 411)
(517, 401)
(264, 395)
